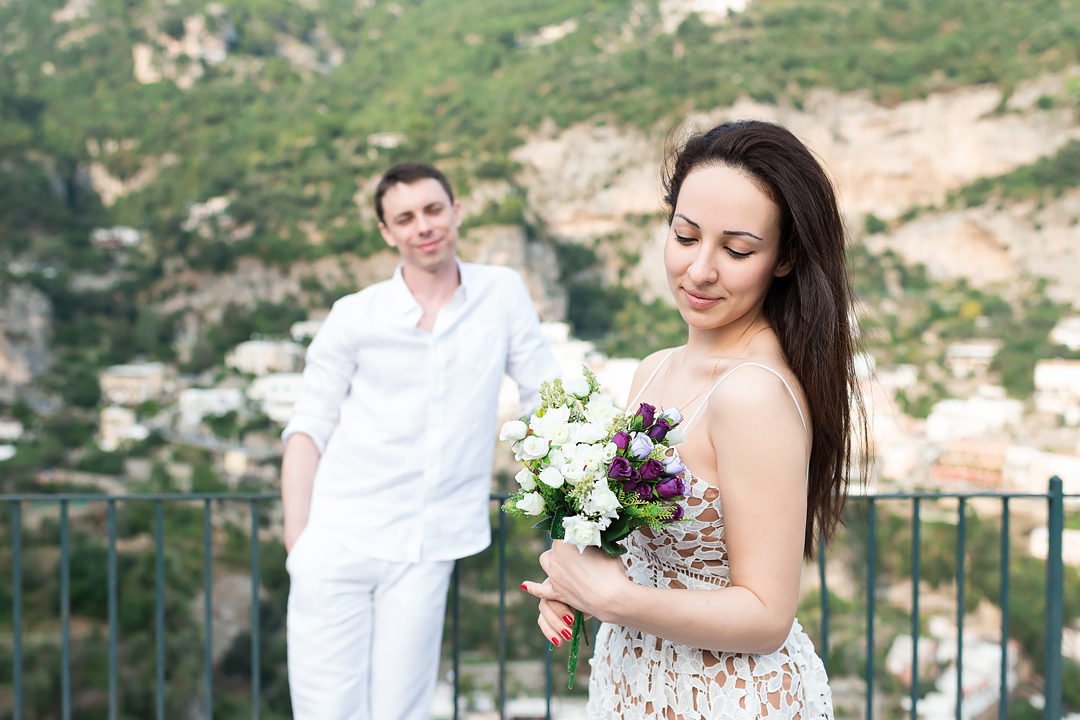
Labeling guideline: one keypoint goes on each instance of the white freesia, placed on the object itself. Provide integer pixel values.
(581, 532)
(531, 504)
(675, 436)
(513, 430)
(602, 501)
(552, 418)
(588, 432)
(534, 447)
(551, 477)
(578, 386)
(526, 479)
(601, 410)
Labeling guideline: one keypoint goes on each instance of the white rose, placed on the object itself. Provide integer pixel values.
(551, 477)
(577, 386)
(531, 504)
(589, 457)
(559, 435)
(609, 452)
(601, 410)
(581, 532)
(534, 447)
(675, 436)
(672, 415)
(526, 479)
(551, 419)
(513, 430)
(602, 501)
(588, 432)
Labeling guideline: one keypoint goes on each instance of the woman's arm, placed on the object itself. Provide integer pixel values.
(761, 452)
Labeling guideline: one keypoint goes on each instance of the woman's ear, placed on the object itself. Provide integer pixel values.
(782, 268)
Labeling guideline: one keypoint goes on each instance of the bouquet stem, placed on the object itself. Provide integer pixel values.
(578, 630)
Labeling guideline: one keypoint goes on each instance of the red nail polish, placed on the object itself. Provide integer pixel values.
(566, 634)
(555, 641)
(568, 620)
(522, 586)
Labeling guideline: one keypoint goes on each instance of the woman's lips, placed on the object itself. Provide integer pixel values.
(699, 301)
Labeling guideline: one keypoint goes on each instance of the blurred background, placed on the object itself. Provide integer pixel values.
(185, 188)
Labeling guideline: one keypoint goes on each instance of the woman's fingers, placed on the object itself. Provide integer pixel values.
(555, 621)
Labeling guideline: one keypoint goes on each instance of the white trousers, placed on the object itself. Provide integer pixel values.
(363, 634)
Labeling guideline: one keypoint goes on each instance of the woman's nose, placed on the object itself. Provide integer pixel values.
(703, 270)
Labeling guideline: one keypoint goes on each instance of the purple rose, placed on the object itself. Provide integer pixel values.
(641, 446)
(659, 430)
(670, 487)
(647, 413)
(676, 512)
(621, 440)
(651, 470)
(644, 491)
(673, 465)
(629, 485)
(620, 468)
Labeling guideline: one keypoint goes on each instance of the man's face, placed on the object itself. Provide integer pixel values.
(422, 223)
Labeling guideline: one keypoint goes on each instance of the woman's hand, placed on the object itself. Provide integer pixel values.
(590, 581)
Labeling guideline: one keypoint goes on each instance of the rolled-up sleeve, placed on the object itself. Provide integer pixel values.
(529, 360)
(329, 367)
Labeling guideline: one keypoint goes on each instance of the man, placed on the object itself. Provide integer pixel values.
(387, 466)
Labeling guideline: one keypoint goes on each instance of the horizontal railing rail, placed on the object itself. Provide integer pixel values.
(15, 507)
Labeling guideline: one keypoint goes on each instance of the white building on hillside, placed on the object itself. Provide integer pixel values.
(134, 383)
(970, 357)
(1067, 332)
(117, 425)
(10, 430)
(1057, 389)
(276, 394)
(978, 415)
(304, 329)
(197, 403)
(261, 357)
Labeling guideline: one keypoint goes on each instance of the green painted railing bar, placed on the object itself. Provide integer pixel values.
(916, 551)
(114, 629)
(960, 543)
(1003, 690)
(502, 615)
(824, 598)
(1055, 602)
(16, 607)
(208, 611)
(256, 671)
(159, 604)
(65, 615)
(455, 645)
(871, 580)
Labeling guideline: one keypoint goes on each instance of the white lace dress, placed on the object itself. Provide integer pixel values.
(638, 676)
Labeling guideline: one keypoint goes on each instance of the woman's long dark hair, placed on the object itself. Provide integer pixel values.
(810, 308)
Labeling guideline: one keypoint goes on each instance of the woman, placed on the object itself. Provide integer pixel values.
(699, 620)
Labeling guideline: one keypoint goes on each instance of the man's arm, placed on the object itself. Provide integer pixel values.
(328, 369)
(297, 478)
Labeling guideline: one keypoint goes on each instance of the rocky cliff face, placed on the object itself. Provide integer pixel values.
(25, 329)
(590, 182)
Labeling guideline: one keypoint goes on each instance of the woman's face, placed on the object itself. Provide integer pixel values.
(723, 247)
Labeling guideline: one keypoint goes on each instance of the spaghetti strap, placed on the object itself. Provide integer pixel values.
(724, 376)
(650, 379)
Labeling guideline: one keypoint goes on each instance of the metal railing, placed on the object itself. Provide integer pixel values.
(16, 504)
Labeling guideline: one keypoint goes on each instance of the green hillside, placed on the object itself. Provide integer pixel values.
(289, 138)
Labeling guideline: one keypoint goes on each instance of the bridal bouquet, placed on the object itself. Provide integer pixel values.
(593, 472)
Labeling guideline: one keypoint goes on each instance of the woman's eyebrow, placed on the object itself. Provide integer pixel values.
(744, 233)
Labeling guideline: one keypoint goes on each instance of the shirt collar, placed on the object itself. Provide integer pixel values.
(410, 310)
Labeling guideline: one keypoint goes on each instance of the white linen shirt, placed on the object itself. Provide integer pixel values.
(405, 418)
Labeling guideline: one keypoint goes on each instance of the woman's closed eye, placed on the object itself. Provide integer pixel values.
(738, 255)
